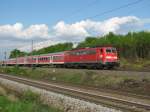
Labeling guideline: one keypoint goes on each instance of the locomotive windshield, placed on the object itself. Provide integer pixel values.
(111, 50)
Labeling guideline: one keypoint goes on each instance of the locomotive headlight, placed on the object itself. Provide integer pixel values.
(111, 57)
(115, 57)
(108, 57)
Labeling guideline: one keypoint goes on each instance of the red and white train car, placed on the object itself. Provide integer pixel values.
(98, 57)
(45, 59)
(52, 59)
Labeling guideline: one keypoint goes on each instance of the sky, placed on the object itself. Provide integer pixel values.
(48, 22)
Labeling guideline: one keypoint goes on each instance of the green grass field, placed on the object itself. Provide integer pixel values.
(27, 102)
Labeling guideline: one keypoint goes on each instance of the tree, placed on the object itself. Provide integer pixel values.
(133, 45)
(17, 53)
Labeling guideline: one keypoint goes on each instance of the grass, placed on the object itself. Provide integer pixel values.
(121, 81)
(138, 64)
(27, 102)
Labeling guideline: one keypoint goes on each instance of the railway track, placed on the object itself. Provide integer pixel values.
(115, 69)
(125, 103)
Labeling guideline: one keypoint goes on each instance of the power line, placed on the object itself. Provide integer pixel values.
(115, 9)
(81, 9)
(88, 5)
(144, 6)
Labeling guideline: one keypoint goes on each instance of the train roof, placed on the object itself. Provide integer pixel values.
(86, 48)
(57, 53)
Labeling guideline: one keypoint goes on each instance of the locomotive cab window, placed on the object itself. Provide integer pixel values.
(108, 50)
(114, 50)
(111, 50)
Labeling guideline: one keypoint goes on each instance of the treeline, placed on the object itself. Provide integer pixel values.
(51, 49)
(17, 53)
(54, 48)
(130, 46)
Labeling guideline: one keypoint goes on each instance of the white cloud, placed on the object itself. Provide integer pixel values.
(75, 32)
(69, 31)
(37, 46)
(80, 30)
(17, 31)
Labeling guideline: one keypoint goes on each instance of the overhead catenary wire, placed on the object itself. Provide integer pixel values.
(114, 9)
(83, 8)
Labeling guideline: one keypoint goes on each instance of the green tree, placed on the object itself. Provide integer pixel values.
(17, 53)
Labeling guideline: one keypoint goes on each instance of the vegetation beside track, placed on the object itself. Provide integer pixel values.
(135, 65)
(26, 102)
(133, 82)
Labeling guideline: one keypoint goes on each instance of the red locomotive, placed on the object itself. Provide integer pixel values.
(98, 57)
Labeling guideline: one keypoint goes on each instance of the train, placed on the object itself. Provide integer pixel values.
(93, 57)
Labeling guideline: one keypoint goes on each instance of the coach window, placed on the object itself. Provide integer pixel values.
(71, 53)
(54, 57)
(108, 51)
(75, 53)
(114, 50)
(80, 52)
(91, 52)
(84, 52)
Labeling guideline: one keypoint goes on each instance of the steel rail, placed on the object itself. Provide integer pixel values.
(78, 93)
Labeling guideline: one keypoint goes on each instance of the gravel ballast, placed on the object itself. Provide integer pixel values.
(60, 101)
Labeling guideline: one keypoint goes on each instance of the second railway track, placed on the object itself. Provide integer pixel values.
(117, 101)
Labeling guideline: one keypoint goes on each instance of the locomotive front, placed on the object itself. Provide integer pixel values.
(110, 57)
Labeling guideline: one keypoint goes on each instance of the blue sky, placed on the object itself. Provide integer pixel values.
(51, 11)
(54, 21)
